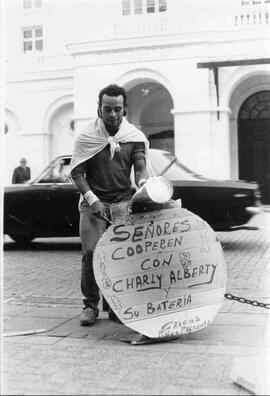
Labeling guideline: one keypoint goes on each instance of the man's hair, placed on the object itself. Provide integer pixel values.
(112, 90)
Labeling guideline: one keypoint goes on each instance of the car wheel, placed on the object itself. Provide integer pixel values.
(22, 239)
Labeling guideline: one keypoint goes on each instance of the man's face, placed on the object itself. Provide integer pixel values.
(112, 108)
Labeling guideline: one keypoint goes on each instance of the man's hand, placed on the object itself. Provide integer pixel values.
(98, 209)
(142, 182)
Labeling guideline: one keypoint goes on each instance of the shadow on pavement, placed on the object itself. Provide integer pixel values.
(42, 245)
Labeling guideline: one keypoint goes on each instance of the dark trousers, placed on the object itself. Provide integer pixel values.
(91, 229)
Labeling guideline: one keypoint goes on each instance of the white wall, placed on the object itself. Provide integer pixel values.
(32, 140)
(88, 44)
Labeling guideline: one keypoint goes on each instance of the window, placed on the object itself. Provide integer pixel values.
(32, 3)
(137, 6)
(126, 7)
(27, 3)
(150, 6)
(33, 39)
(256, 106)
(162, 5)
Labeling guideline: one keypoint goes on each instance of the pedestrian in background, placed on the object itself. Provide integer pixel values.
(22, 173)
(100, 168)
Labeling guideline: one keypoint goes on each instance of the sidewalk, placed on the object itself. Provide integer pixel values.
(69, 359)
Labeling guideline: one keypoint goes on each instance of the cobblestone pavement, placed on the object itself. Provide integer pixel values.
(41, 291)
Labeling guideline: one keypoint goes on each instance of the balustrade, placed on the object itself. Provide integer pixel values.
(253, 12)
(250, 18)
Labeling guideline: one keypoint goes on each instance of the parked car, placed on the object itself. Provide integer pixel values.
(47, 206)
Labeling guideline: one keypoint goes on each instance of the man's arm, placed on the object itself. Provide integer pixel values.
(141, 174)
(77, 175)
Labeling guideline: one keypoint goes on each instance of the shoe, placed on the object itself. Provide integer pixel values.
(88, 316)
(113, 317)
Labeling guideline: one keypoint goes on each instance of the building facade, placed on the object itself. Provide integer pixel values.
(196, 73)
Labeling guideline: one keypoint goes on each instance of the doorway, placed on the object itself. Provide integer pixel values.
(254, 141)
(62, 130)
(149, 108)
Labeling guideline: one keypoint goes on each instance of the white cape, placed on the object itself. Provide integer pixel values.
(95, 137)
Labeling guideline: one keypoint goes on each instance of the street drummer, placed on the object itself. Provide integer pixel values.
(103, 156)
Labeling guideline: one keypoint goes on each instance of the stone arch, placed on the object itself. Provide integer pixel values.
(242, 86)
(59, 126)
(11, 120)
(129, 79)
(254, 141)
(150, 106)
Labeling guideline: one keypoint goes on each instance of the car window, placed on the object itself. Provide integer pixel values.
(57, 172)
(160, 160)
(174, 170)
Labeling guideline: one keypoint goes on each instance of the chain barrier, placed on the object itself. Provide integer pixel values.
(243, 300)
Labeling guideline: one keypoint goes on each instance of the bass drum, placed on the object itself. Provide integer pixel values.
(162, 271)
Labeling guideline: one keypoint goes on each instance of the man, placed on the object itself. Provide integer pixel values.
(22, 173)
(100, 168)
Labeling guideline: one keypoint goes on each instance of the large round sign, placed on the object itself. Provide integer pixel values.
(162, 272)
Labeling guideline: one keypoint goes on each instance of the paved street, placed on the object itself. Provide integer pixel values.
(41, 291)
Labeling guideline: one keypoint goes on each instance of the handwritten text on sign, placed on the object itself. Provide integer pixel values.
(153, 268)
